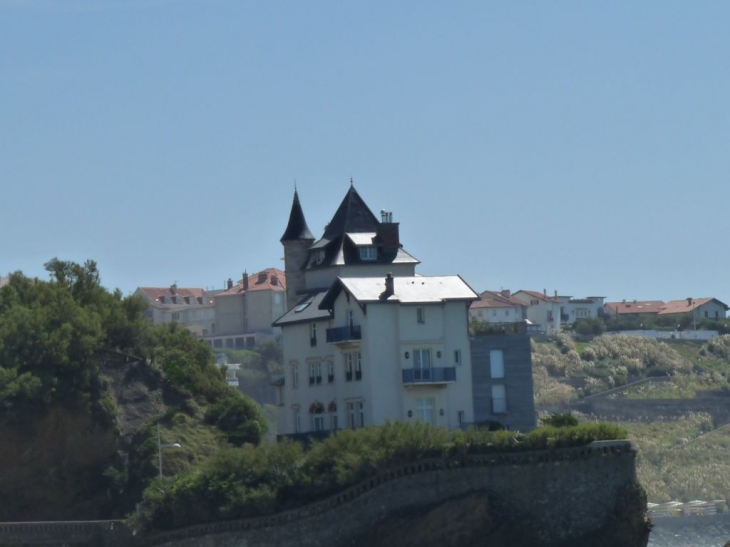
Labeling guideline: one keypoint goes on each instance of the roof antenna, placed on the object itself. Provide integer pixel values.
(295, 184)
(350, 181)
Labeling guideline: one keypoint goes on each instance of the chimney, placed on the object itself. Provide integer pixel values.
(389, 285)
(244, 280)
(173, 288)
(544, 292)
(689, 301)
(506, 292)
(229, 283)
(556, 293)
(388, 231)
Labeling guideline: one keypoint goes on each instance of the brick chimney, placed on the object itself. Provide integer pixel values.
(506, 293)
(388, 232)
(229, 283)
(244, 280)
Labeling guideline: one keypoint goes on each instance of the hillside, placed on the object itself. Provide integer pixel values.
(682, 456)
(84, 382)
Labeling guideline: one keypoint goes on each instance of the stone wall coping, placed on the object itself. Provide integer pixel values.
(596, 448)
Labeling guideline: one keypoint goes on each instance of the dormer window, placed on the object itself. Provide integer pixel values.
(318, 256)
(368, 252)
(162, 299)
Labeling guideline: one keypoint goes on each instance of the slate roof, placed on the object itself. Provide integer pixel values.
(297, 227)
(352, 226)
(306, 310)
(406, 289)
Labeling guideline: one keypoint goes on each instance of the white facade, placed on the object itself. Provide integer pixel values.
(388, 360)
(574, 309)
(543, 311)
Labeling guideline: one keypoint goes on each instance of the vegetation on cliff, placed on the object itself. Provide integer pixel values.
(78, 359)
(272, 477)
(565, 370)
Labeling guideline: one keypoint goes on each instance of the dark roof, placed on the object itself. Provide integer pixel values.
(306, 310)
(297, 227)
(346, 232)
(351, 216)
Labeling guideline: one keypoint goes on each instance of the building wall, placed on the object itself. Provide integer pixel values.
(711, 310)
(229, 314)
(517, 380)
(388, 331)
(499, 315)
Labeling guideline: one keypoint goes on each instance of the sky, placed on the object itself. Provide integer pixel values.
(578, 147)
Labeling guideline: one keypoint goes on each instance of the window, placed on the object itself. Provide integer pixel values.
(162, 299)
(295, 376)
(706, 314)
(176, 316)
(318, 422)
(421, 364)
(313, 334)
(496, 363)
(494, 313)
(350, 319)
(351, 423)
(420, 316)
(333, 419)
(297, 420)
(460, 418)
(318, 256)
(361, 407)
(457, 357)
(368, 252)
(330, 372)
(315, 373)
(358, 367)
(499, 399)
(174, 299)
(424, 410)
(479, 313)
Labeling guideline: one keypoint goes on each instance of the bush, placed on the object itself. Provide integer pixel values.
(560, 420)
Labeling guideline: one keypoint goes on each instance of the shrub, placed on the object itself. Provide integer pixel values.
(560, 420)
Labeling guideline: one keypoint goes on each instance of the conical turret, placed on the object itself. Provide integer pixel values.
(297, 240)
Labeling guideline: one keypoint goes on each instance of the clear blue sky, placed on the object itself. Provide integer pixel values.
(577, 146)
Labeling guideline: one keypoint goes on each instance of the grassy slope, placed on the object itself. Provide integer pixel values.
(682, 459)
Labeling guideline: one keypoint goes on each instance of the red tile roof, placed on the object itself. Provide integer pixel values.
(269, 279)
(687, 305)
(156, 294)
(539, 296)
(635, 307)
(493, 299)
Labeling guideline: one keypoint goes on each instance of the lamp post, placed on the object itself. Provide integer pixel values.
(160, 446)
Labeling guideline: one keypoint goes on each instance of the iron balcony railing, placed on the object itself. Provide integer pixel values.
(344, 334)
(433, 375)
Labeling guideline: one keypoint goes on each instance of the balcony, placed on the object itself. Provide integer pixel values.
(340, 335)
(433, 376)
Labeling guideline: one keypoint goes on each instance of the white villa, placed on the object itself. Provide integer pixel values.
(368, 340)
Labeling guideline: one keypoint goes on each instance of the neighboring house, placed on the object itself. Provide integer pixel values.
(366, 340)
(574, 309)
(191, 308)
(543, 310)
(4, 281)
(498, 307)
(699, 308)
(502, 380)
(244, 312)
(633, 308)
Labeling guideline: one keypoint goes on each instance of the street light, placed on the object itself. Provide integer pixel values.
(160, 446)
